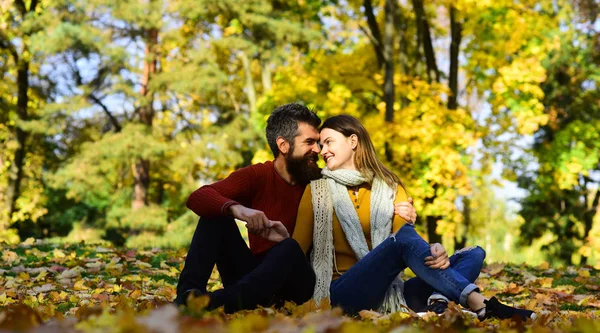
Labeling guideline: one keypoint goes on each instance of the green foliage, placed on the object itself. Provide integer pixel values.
(564, 187)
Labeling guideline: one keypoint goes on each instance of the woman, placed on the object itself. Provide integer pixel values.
(359, 247)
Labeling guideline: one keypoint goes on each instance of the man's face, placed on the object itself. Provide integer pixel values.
(302, 159)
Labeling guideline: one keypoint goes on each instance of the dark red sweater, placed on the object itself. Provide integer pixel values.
(258, 187)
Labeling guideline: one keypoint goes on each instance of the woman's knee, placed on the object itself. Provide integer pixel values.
(407, 231)
(476, 252)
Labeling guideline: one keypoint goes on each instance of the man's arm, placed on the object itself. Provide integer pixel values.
(228, 196)
(217, 198)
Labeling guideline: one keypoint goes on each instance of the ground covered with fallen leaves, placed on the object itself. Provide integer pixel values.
(91, 288)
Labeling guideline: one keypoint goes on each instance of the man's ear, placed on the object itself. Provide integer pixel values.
(283, 145)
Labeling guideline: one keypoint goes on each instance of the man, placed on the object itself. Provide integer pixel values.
(266, 196)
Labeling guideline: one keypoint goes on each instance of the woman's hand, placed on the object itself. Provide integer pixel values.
(275, 232)
(406, 210)
(439, 257)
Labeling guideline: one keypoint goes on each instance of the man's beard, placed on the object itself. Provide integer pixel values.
(302, 169)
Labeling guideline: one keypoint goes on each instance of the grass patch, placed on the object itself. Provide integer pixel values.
(573, 307)
(168, 279)
(157, 259)
(64, 307)
(563, 280)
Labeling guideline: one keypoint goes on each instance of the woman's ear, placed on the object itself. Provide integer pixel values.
(283, 145)
(353, 141)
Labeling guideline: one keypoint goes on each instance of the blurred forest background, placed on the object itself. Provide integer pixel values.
(113, 112)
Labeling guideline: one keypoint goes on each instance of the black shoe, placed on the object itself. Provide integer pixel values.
(437, 306)
(182, 299)
(495, 309)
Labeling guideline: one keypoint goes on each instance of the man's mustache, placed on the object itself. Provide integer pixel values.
(314, 157)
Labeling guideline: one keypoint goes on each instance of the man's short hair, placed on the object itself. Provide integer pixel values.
(284, 122)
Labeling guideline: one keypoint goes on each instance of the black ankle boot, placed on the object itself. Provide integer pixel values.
(495, 309)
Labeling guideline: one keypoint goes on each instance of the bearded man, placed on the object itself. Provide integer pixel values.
(266, 196)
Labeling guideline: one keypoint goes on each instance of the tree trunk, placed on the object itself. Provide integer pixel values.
(388, 85)
(456, 32)
(250, 90)
(376, 39)
(267, 80)
(141, 167)
(461, 240)
(456, 36)
(433, 74)
(16, 168)
(425, 36)
(22, 61)
(432, 235)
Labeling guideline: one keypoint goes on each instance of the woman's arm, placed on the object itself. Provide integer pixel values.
(401, 196)
(439, 257)
(303, 231)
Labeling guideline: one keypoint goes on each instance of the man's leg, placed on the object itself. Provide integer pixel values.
(215, 241)
(268, 281)
(467, 262)
(300, 284)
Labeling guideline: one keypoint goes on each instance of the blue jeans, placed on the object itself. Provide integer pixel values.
(364, 285)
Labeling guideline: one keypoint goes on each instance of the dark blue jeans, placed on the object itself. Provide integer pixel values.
(364, 285)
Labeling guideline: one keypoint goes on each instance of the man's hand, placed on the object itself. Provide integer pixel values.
(439, 257)
(256, 220)
(275, 232)
(406, 210)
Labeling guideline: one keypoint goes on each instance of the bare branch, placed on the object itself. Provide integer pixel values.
(112, 118)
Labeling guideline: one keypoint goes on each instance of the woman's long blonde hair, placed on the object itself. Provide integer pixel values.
(365, 159)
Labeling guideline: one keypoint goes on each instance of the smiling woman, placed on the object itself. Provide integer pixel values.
(337, 149)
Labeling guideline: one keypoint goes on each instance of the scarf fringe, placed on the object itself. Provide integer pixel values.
(330, 193)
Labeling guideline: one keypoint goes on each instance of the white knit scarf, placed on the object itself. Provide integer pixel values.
(331, 193)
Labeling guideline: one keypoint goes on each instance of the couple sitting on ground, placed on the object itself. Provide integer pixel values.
(352, 218)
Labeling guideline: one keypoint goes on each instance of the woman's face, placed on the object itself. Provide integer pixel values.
(338, 150)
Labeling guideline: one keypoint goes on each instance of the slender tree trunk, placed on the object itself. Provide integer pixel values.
(250, 90)
(16, 168)
(376, 39)
(403, 56)
(141, 167)
(388, 85)
(456, 36)
(22, 61)
(433, 74)
(267, 80)
(432, 235)
(388, 50)
(425, 34)
(461, 240)
(456, 32)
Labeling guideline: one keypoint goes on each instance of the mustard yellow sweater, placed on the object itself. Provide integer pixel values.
(344, 256)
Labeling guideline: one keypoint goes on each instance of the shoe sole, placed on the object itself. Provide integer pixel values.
(471, 314)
